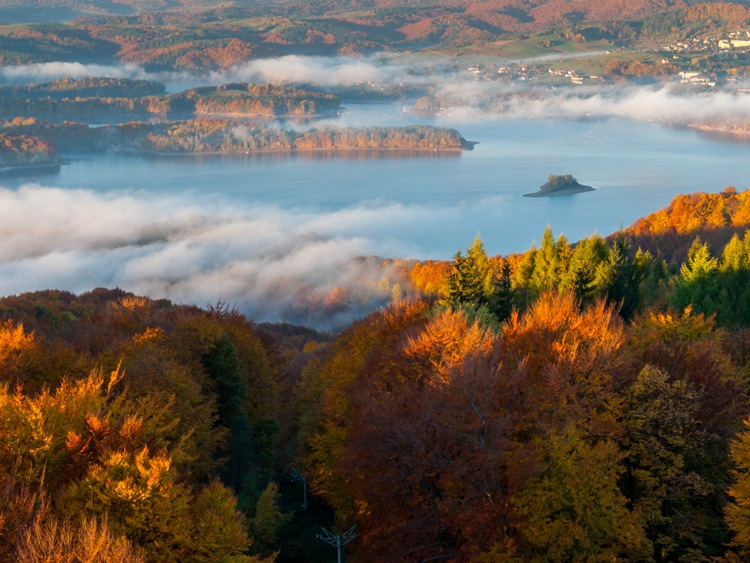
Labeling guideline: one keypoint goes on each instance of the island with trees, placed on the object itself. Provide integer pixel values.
(108, 97)
(560, 185)
(205, 136)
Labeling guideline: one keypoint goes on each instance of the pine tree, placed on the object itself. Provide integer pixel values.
(501, 301)
(550, 263)
(734, 283)
(587, 258)
(619, 280)
(469, 282)
(698, 282)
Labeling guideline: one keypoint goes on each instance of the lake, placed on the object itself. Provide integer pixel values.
(439, 202)
(276, 235)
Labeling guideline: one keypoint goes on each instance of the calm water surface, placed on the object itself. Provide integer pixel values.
(430, 205)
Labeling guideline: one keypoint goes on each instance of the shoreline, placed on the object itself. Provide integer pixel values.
(10, 169)
(725, 129)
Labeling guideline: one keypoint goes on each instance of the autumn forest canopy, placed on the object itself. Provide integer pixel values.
(577, 400)
(583, 400)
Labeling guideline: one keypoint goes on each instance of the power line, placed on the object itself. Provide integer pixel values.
(297, 476)
(338, 540)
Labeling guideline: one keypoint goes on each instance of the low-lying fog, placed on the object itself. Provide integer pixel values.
(300, 259)
(271, 263)
(469, 97)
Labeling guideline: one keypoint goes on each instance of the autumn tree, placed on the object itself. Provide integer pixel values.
(572, 508)
(268, 517)
(738, 511)
(680, 453)
(364, 351)
(663, 440)
(47, 539)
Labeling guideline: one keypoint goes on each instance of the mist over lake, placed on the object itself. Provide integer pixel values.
(265, 231)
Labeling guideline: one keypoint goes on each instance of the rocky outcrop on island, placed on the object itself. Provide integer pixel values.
(560, 185)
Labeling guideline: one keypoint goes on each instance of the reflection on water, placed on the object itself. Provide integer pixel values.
(30, 172)
(384, 154)
(287, 155)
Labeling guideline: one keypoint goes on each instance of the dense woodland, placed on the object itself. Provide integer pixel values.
(578, 401)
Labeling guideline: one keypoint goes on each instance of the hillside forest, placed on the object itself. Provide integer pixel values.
(577, 401)
(207, 34)
(580, 401)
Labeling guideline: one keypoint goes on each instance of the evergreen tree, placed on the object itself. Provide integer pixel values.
(223, 366)
(501, 301)
(698, 283)
(469, 280)
(522, 279)
(734, 283)
(550, 263)
(619, 279)
(586, 259)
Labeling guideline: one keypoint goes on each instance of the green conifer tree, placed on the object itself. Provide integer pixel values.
(619, 280)
(698, 283)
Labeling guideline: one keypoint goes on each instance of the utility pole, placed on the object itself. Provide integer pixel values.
(338, 540)
(297, 476)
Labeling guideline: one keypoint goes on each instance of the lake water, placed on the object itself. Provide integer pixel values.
(438, 202)
(281, 236)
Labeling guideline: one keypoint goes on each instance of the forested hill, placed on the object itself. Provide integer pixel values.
(506, 14)
(570, 403)
(197, 36)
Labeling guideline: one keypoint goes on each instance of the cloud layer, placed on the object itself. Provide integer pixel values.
(273, 265)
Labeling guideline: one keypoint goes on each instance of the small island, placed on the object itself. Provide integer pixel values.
(560, 185)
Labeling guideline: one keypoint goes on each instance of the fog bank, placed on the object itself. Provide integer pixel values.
(462, 95)
(273, 265)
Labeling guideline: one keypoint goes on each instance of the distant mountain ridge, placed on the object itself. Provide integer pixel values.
(209, 34)
(490, 15)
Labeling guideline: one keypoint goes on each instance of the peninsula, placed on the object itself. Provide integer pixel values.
(560, 185)
(22, 151)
